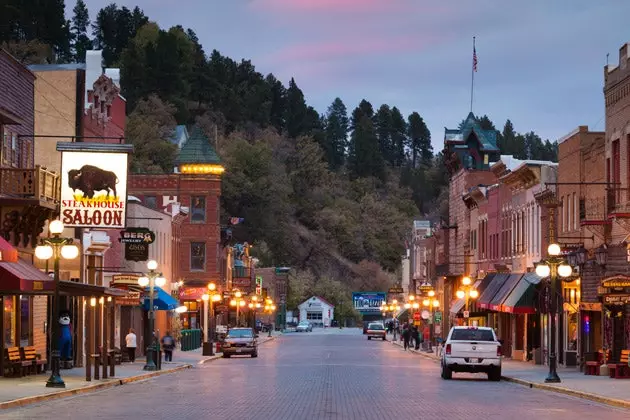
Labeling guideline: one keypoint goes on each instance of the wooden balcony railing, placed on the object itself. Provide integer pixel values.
(35, 183)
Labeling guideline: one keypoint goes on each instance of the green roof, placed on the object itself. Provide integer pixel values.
(487, 138)
(197, 149)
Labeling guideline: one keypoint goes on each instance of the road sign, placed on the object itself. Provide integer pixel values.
(437, 317)
(416, 316)
(426, 314)
(466, 314)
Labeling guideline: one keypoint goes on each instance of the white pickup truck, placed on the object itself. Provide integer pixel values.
(472, 349)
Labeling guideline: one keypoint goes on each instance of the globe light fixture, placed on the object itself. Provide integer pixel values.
(415, 305)
(205, 297)
(407, 305)
(216, 298)
(466, 281)
(160, 281)
(69, 252)
(44, 252)
(233, 302)
(426, 302)
(543, 270)
(565, 270)
(152, 265)
(143, 281)
(212, 287)
(431, 293)
(56, 227)
(554, 250)
(436, 303)
(474, 294)
(460, 294)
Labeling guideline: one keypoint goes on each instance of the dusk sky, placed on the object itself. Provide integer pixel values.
(540, 61)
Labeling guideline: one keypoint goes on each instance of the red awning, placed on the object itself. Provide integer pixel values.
(21, 277)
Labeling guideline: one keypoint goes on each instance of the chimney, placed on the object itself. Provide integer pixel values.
(93, 70)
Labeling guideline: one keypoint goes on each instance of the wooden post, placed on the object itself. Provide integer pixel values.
(97, 339)
(112, 339)
(105, 346)
(88, 340)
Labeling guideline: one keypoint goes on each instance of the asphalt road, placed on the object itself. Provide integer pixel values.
(321, 375)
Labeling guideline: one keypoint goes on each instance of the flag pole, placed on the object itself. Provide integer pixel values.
(472, 75)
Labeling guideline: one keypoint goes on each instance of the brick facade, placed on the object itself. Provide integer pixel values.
(160, 191)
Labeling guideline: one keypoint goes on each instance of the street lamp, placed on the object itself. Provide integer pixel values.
(467, 292)
(56, 248)
(553, 267)
(238, 302)
(152, 279)
(210, 296)
(269, 308)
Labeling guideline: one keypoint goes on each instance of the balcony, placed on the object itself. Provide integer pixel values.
(30, 186)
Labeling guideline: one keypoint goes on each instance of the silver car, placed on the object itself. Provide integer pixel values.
(304, 326)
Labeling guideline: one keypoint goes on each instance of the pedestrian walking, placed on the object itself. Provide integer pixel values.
(130, 341)
(406, 335)
(168, 345)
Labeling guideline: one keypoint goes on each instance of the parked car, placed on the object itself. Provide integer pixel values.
(472, 349)
(304, 326)
(240, 341)
(376, 330)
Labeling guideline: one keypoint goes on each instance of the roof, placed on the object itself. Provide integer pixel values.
(56, 67)
(180, 135)
(197, 149)
(318, 298)
(487, 138)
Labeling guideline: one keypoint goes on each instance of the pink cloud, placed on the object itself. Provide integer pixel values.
(335, 6)
(331, 50)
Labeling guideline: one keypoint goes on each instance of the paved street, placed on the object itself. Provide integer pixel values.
(321, 375)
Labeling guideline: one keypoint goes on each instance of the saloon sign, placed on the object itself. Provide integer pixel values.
(93, 186)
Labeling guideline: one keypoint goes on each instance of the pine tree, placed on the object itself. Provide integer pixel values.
(296, 111)
(384, 130)
(80, 23)
(508, 139)
(364, 157)
(114, 28)
(400, 140)
(278, 98)
(420, 140)
(337, 126)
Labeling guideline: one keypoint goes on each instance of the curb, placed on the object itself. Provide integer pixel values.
(20, 402)
(551, 388)
(429, 356)
(570, 392)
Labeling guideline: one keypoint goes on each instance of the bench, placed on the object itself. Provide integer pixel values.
(17, 365)
(592, 367)
(620, 370)
(29, 354)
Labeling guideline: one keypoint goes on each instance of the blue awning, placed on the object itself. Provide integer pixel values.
(162, 301)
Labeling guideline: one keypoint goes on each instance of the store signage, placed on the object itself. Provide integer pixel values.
(123, 281)
(368, 302)
(136, 236)
(616, 281)
(259, 282)
(242, 283)
(191, 293)
(616, 299)
(93, 189)
(395, 290)
(132, 299)
(589, 306)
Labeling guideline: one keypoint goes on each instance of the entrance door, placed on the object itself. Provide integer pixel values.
(618, 334)
(132, 317)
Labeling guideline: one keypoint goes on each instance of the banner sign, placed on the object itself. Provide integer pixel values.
(368, 302)
(191, 293)
(93, 189)
(616, 281)
(616, 299)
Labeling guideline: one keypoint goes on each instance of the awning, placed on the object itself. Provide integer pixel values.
(504, 291)
(521, 299)
(20, 277)
(485, 282)
(162, 300)
(457, 306)
(492, 289)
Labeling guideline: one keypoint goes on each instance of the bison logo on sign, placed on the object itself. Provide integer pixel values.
(94, 189)
(90, 179)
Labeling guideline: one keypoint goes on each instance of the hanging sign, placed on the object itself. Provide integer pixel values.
(616, 281)
(137, 236)
(616, 299)
(93, 184)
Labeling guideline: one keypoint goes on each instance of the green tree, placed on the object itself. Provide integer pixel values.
(149, 128)
(79, 28)
(420, 140)
(507, 143)
(384, 131)
(114, 28)
(400, 141)
(364, 157)
(296, 111)
(337, 126)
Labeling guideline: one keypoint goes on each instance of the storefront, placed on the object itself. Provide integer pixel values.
(317, 311)
(191, 298)
(571, 322)
(615, 296)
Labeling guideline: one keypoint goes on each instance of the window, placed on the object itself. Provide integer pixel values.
(472, 334)
(582, 209)
(616, 169)
(150, 201)
(198, 209)
(576, 211)
(314, 316)
(197, 256)
(25, 324)
(6, 145)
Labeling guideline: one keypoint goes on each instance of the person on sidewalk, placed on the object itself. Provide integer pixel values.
(168, 344)
(131, 345)
(416, 337)
(406, 335)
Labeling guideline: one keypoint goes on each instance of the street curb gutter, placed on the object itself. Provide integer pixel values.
(87, 389)
(570, 392)
(552, 388)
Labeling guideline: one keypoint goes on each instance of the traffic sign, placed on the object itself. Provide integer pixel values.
(466, 314)
(416, 316)
(437, 316)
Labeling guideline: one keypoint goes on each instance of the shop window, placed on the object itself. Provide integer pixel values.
(572, 331)
(197, 256)
(8, 327)
(25, 321)
(151, 202)
(198, 209)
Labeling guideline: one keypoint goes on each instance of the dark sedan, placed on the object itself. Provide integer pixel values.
(240, 342)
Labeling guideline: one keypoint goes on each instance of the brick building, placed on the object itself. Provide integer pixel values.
(24, 209)
(196, 187)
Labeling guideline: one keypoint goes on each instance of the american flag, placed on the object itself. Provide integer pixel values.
(474, 59)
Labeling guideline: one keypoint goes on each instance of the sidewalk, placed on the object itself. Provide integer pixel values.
(600, 389)
(16, 392)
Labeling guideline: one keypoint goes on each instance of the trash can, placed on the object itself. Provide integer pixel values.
(157, 357)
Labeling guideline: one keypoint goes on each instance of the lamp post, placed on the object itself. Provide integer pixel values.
(152, 279)
(238, 302)
(269, 308)
(56, 248)
(432, 303)
(393, 308)
(210, 296)
(467, 292)
(553, 267)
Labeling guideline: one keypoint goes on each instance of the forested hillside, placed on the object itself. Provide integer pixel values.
(331, 193)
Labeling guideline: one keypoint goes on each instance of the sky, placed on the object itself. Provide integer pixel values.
(540, 62)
